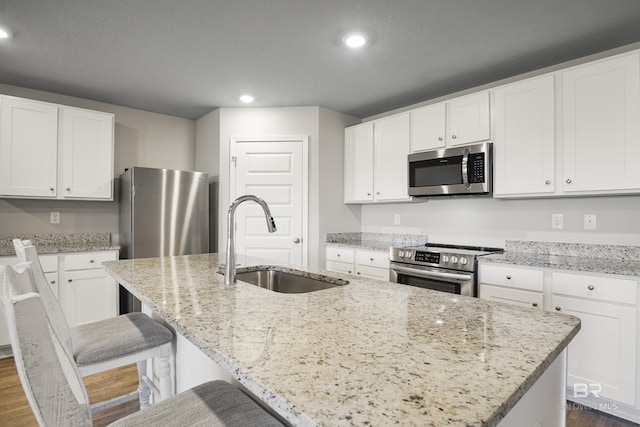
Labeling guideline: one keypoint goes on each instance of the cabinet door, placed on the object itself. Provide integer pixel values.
(358, 163)
(28, 148)
(391, 149)
(512, 296)
(88, 295)
(524, 142)
(601, 129)
(468, 119)
(87, 154)
(604, 351)
(428, 127)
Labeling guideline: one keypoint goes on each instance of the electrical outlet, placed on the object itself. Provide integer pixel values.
(557, 221)
(589, 221)
(54, 217)
(396, 219)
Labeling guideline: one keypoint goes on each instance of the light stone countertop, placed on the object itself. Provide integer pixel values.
(366, 353)
(60, 243)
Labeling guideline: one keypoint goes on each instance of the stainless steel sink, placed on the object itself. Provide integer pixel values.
(288, 282)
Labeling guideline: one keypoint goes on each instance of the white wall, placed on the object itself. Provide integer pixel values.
(141, 139)
(487, 221)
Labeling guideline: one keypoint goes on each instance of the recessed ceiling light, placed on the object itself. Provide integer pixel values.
(355, 40)
(247, 99)
(4, 34)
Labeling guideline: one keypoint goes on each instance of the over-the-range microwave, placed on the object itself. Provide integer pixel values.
(451, 171)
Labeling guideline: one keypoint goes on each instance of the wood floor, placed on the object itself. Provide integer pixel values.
(15, 411)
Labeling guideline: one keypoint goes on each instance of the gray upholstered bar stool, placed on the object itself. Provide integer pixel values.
(110, 343)
(56, 392)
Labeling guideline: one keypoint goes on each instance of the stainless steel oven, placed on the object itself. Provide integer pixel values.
(446, 268)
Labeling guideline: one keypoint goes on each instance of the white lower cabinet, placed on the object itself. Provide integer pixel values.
(87, 293)
(602, 357)
(602, 367)
(515, 285)
(360, 262)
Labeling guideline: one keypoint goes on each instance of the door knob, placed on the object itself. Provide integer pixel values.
(296, 240)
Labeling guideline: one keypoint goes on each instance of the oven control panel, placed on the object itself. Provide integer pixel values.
(454, 261)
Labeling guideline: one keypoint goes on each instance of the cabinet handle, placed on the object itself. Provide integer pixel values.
(68, 189)
(439, 138)
(547, 182)
(591, 287)
(368, 194)
(91, 261)
(558, 308)
(52, 189)
(378, 193)
(70, 280)
(338, 255)
(370, 259)
(568, 181)
(453, 137)
(53, 282)
(535, 304)
(508, 277)
(349, 271)
(358, 273)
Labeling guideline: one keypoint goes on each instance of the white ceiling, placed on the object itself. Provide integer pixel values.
(185, 58)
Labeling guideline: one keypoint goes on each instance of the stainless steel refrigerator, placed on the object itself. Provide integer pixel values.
(163, 212)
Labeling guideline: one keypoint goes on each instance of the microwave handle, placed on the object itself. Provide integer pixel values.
(465, 169)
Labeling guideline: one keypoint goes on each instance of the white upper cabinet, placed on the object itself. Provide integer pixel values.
(55, 151)
(358, 163)
(391, 149)
(376, 160)
(524, 137)
(468, 119)
(86, 152)
(459, 121)
(428, 127)
(601, 125)
(28, 148)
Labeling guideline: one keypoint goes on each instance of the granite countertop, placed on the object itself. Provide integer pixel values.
(60, 243)
(607, 259)
(374, 241)
(369, 352)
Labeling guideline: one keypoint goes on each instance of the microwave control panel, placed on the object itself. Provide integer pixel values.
(476, 168)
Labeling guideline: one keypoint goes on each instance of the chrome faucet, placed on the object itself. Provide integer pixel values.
(230, 265)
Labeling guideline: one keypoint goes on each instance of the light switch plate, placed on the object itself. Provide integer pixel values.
(589, 221)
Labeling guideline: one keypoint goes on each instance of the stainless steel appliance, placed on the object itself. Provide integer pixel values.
(447, 268)
(451, 171)
(163, 212)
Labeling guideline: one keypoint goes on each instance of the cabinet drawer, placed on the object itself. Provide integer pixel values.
(340, 267)
(513, 277)
(597, 288)
(335, 253)
(372, 258)
(49, 263)
(85, 261)
(372, 272)
(512, 296)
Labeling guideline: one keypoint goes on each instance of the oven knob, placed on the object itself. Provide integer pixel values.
(464, 261)
(445, 258)
(407, 254)
(401, 254)
(454, 259)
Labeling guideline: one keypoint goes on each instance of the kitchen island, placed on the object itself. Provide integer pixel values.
(366, 353)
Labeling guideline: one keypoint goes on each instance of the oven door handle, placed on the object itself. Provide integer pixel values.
(432, 274)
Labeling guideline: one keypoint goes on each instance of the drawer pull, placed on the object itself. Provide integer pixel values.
(338, 255)
(370, 259)
(508, 277)
(358, 272)
(53, 282)
(591, 287)
(349, 271)
(558, 308)
(535, 304)
(70, 280)
(91, 261)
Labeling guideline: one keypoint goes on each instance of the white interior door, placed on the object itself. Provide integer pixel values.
(276, 171)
